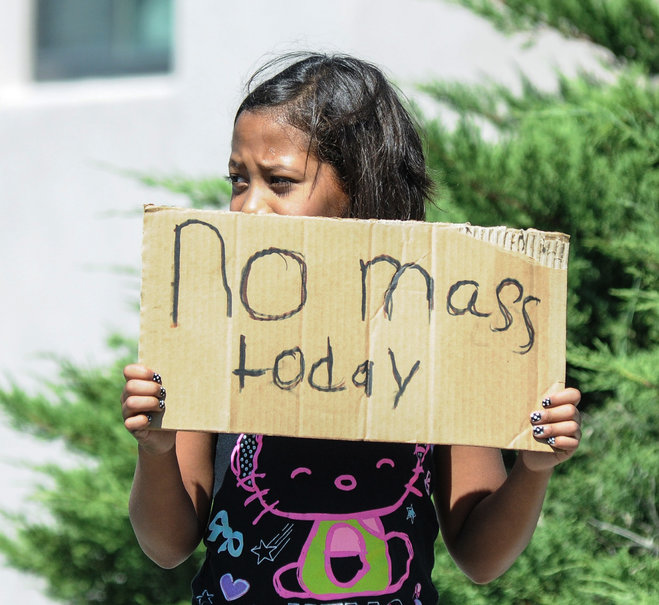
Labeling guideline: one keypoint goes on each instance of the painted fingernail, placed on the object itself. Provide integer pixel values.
(546, 402)
(163, 393)
(536, 417)
(161, 404)
(157, 378)
(538, 430)
(149, 417)
(551, 441)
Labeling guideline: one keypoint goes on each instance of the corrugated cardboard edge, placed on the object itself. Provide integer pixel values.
(549, 249)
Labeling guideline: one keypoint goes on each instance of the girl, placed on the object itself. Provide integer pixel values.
(299, 520)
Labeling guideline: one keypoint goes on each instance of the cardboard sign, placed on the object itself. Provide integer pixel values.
(347, 329)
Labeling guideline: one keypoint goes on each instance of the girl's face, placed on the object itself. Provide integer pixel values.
(272, 171)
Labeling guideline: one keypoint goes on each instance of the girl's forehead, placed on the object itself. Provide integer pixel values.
(267, 130)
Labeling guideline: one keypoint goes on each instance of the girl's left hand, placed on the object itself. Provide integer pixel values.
(558, 423)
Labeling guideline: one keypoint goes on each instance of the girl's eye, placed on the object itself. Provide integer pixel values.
(281, 185)
(300, 469)
(383, 461)
(237, 183)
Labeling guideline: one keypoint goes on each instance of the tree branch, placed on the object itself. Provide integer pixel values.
(647, 543)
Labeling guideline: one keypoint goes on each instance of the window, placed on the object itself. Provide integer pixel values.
(102, 38)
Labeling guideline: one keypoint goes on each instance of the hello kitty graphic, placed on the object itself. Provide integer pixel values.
(348, 551)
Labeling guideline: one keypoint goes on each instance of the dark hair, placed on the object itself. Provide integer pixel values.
(356, 123)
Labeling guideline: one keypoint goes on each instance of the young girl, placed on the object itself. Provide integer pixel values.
(311, 521)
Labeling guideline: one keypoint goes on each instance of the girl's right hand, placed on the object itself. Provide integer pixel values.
(143, 396)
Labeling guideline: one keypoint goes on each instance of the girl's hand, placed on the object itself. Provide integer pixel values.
(142, 397)
(558, 423)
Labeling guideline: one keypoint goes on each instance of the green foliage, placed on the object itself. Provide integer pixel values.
(85, 548)
(628, 28)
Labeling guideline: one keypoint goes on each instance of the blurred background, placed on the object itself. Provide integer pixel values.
(541, 114)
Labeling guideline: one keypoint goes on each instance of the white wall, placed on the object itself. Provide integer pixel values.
(66, 217)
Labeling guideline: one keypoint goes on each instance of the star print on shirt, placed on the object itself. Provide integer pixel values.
(205, 598)
(260, 549)
(269, 551)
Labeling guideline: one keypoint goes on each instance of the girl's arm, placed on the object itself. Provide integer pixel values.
(172, 488)
(488, 518)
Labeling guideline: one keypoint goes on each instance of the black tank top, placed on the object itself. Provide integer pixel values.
(304, 521)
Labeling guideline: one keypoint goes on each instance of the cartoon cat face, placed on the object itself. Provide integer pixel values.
(337, 483)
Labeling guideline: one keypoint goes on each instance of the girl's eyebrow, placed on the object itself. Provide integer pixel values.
(265, 164)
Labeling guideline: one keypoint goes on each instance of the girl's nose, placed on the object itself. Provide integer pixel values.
(256, 201)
